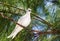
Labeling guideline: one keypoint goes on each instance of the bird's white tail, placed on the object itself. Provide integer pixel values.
(15, 31)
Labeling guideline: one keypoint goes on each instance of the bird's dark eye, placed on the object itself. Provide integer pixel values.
(29, 10)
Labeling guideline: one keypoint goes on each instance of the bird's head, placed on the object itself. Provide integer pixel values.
(28, 10)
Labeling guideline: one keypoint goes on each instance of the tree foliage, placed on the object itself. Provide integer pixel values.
(42, 15)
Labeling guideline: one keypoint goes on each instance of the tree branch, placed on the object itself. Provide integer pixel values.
(54, 31)
(37, 17)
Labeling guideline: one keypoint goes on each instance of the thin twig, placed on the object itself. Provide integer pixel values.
(42, 20)
(11, 6)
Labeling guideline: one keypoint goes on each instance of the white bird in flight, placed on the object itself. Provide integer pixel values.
(24, 21)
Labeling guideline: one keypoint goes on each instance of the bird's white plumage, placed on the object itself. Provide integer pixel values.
(24, 21)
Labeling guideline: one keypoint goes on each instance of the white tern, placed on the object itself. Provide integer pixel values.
(24, 21)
